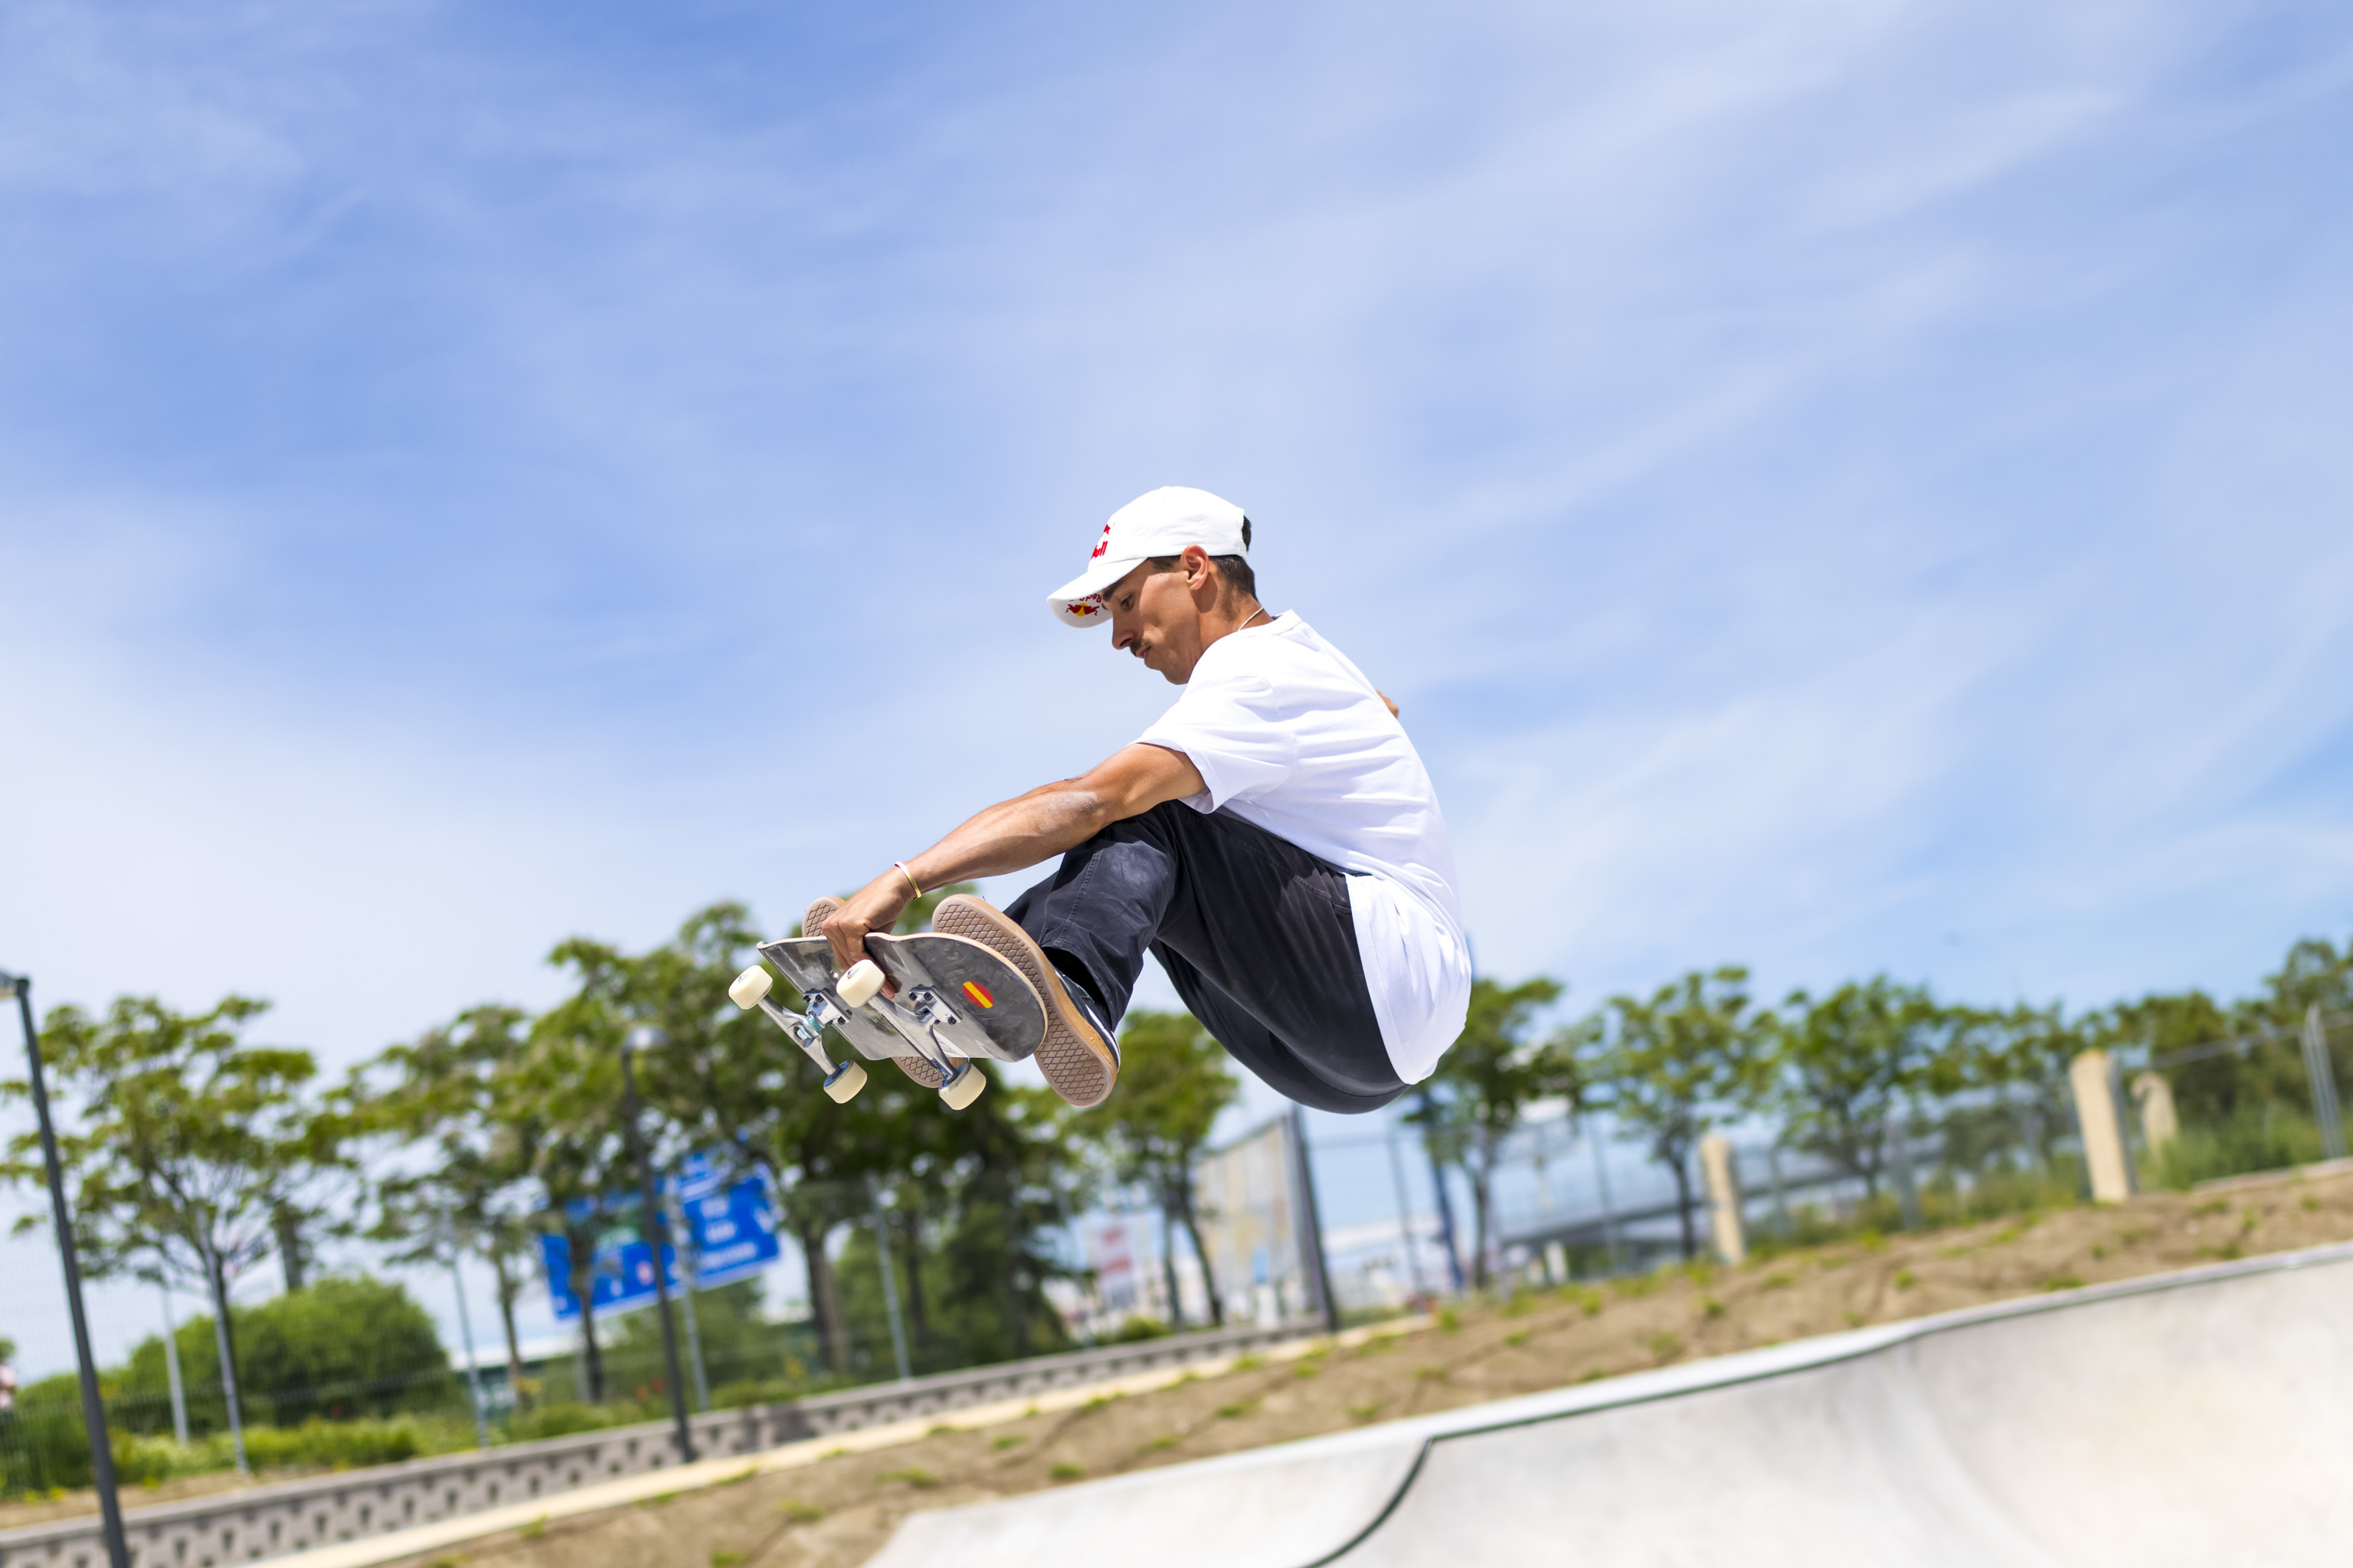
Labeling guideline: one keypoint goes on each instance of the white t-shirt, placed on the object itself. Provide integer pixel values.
(1289, 735)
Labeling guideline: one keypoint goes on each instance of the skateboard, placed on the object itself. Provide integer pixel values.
(954, 1000)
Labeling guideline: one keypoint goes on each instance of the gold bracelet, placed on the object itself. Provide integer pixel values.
(910, 876)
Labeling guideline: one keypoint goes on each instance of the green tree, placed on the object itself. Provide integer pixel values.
(1172, 1086)
(730, 1084)
(1675, 1065)
(1486, 1083)
(1844, 1067)
(559, 1097)
(474, 1194)
(191, 1147)
(345, 1346)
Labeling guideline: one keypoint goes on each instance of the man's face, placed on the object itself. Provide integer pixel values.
(1156, 615)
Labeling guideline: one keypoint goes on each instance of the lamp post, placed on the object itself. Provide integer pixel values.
(93, 1409)
(650, 1222)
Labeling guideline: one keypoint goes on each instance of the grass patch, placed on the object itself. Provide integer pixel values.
(1363, 1412)
(1010, 1440)
(1430, 1374)
(1664, 1346)
(1853, 1318)
(915, 1475)
(1066, 1471)
(1161, 1444)
(800, 1512)
(2098, 1252)
(1249, 1364)
(2063, 1282)
(944, 1429)
(1777, 1282)
(658, 1500)
(1516, 1340)
(1449, 1321)
(1905, 1279)
(531, 1531)
(2208, 1210)
(842, 1451)
(1709, 1307)
(1234, 1412)
(2311, 1205)
(1636, 1285)
(1592, 1375)
(720, 1558)
(1305, 1369)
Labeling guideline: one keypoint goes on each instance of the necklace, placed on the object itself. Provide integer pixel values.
(1253, 616)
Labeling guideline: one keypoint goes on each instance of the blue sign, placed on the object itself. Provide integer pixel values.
(731, 1233)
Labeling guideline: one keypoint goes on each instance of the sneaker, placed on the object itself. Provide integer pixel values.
(1080, 1054)
(913, 1065)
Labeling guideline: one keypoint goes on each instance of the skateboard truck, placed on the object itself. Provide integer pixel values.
(960, 1081)
(856, 987)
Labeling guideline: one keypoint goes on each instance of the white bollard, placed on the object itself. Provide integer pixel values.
(1723, 1197)
(2104, 1134)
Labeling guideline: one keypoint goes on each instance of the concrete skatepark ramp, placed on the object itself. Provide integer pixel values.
(2197, 1418)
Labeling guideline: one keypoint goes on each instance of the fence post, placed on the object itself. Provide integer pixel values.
(2159, 1125)
(1723, 1197)
(2317, 1067)
(2104, 1141)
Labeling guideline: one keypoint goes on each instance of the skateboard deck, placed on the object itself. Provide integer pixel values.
(951, 989)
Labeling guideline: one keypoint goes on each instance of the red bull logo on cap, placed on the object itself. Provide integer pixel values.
(1100, 545)
(1090, 605)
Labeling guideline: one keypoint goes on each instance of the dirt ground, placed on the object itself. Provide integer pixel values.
(839, 1511)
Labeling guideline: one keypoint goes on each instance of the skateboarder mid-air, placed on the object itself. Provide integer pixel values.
(1273, 840)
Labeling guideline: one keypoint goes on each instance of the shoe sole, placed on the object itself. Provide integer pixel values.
(914, 1066)
(1076, 1059)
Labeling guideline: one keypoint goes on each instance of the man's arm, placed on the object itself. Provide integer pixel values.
(1017, 834)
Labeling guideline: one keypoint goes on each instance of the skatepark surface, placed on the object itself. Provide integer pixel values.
(2200, 1417)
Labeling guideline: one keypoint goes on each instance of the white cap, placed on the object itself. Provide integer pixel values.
(1159, 522)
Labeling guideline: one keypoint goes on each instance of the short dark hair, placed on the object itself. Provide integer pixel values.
(1235, 569)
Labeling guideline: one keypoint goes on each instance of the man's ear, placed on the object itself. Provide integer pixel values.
(1197, 566)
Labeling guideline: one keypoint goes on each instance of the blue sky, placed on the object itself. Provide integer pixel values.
(1835, 486)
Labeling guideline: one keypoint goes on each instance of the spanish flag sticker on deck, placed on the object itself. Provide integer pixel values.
(979, 993)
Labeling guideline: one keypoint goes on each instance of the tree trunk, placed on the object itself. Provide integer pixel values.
(911, 1239)
(1208, 1276)
(508, 1290)
(287, 1226)
(1680, 1162)
(1483, 1178)
(583, 1247)
(1168, 1269)
(825, 1300)
(225, 1343)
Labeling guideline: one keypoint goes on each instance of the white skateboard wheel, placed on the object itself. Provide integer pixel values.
(965, 1087)
(858, 983)
(746, 989)
(846, 1080)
